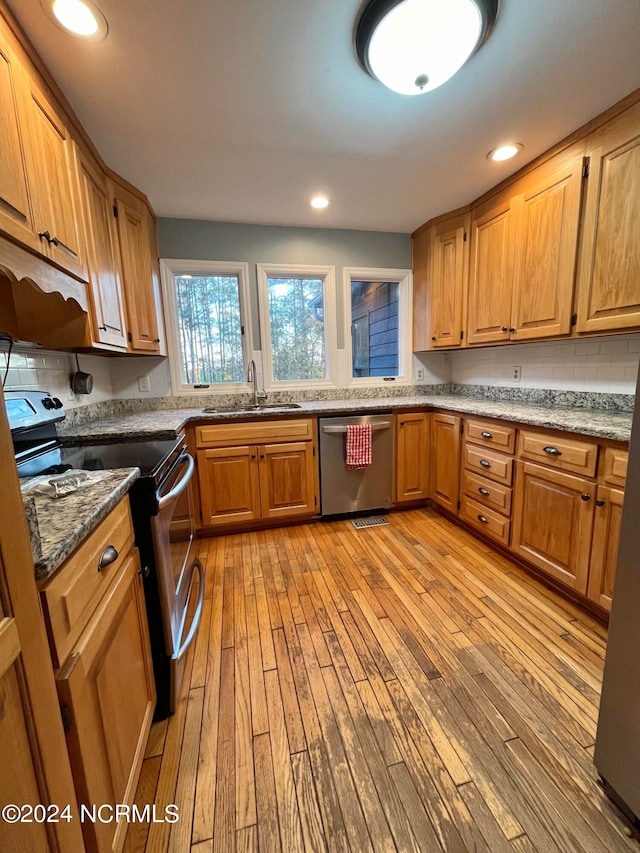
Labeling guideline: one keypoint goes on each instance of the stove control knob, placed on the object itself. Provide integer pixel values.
(57, 403)
(48, 403)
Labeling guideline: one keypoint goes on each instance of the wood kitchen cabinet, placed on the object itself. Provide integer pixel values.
(445, 460)
(447, 281)
(604, 549)
(609, 270)
(97, 624)
(274, 475)
(412, 456)
(108, 318)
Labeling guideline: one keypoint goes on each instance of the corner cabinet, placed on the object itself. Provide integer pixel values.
(412, 456)
(257, 471)
(445, 460)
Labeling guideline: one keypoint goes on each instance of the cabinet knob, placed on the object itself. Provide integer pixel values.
(552, 451)
(599, 502)
(485, 463)
(512, 329)
(156, 340)
(483, 519)
(145, 571)
(433, 338)
(483, 491)
(486, 434)
(505, 328)
(586, 497)
(46, 235)
(109, 555)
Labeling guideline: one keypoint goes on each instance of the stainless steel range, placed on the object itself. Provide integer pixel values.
(163, 519)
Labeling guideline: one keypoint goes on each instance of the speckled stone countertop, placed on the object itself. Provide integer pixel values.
(166, 423)
(64, 523)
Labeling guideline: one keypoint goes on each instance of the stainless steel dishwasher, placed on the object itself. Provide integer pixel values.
(345, 490)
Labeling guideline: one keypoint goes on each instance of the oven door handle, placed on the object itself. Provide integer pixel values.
(197, 615)
(182, 484)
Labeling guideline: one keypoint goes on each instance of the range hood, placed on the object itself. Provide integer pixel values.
(40, 303)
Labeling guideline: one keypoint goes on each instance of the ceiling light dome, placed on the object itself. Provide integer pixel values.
(414, 46)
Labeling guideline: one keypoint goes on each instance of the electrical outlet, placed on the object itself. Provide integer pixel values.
(71, 397)
(420, 374)
(144, 383)
(517, 373)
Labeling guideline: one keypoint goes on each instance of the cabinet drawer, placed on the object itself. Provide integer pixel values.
(487, 493)
(490, 434)
(485, 519)
(564, 454)
(488, 463)
(613, 468)
(253, 432)
(70, 598)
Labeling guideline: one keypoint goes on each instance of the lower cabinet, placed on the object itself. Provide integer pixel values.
(412, 457)
(445, 460)
(256, 481)
(97, 623)
(553, 522)
(604, 550)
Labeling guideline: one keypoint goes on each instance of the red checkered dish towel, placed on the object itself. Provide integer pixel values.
(357, 446)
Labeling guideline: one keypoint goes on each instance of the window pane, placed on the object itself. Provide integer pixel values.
(210, 328)
(297, 328)
(374, 328)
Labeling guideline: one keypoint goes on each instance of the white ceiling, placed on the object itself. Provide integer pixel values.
(240, 110)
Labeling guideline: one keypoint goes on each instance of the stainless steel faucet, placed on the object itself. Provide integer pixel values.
(252, 376)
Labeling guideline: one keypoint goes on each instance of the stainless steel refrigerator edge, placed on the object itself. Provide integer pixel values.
(344, 490)
(617, 751)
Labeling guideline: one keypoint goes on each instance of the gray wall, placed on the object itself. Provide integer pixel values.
(192, 239)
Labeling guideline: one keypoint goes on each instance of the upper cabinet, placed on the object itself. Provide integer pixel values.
(609, 272)
(523, 257)
(449, 270)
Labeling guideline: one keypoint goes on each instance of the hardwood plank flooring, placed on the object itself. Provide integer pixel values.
(399, 688)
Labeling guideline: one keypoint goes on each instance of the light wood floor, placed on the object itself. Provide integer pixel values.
(394, 688)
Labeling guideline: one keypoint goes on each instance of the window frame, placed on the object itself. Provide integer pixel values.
(328, 275)
(169, 269)
(405, 308)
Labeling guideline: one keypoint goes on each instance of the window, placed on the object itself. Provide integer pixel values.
(207, 323)
(297, 325)
(377, 326)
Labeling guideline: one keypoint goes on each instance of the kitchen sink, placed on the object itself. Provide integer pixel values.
(259, 407)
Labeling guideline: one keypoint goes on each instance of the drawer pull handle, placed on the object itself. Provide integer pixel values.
(486, 434)
(483, 519)
(552, 451)
(109, 555)
(484, 492)
(485, 463)
(599, 502)
(586, 497)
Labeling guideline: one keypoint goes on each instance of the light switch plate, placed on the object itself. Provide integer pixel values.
(144, 383)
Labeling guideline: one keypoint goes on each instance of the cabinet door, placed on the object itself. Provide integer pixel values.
(553, 521)
(445, 460)
(16, 216)
(135, 257)
(108, 687)
(287, 479)
(609, 277)
(546, 220)
(229, 487)
(420, 263)
(19, 778)
(56, 185)
(412, 457)
(604, 551)
(491, 277)
(107, 314)
(447, 284)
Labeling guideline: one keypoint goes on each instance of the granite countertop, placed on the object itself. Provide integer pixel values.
(167, 423)
(64, 523)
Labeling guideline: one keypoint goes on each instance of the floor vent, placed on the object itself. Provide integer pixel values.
(372, 521)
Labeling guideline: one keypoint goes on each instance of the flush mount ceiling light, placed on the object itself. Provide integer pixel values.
(505, 152)
(79, 18)
(414, 46)
(319, 201)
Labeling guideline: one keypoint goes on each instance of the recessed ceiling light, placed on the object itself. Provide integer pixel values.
(78, 18)
(505, 152)
(414, 46)
(319, 201)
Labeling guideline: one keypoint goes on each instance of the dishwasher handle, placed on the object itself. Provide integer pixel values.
(342, 429)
